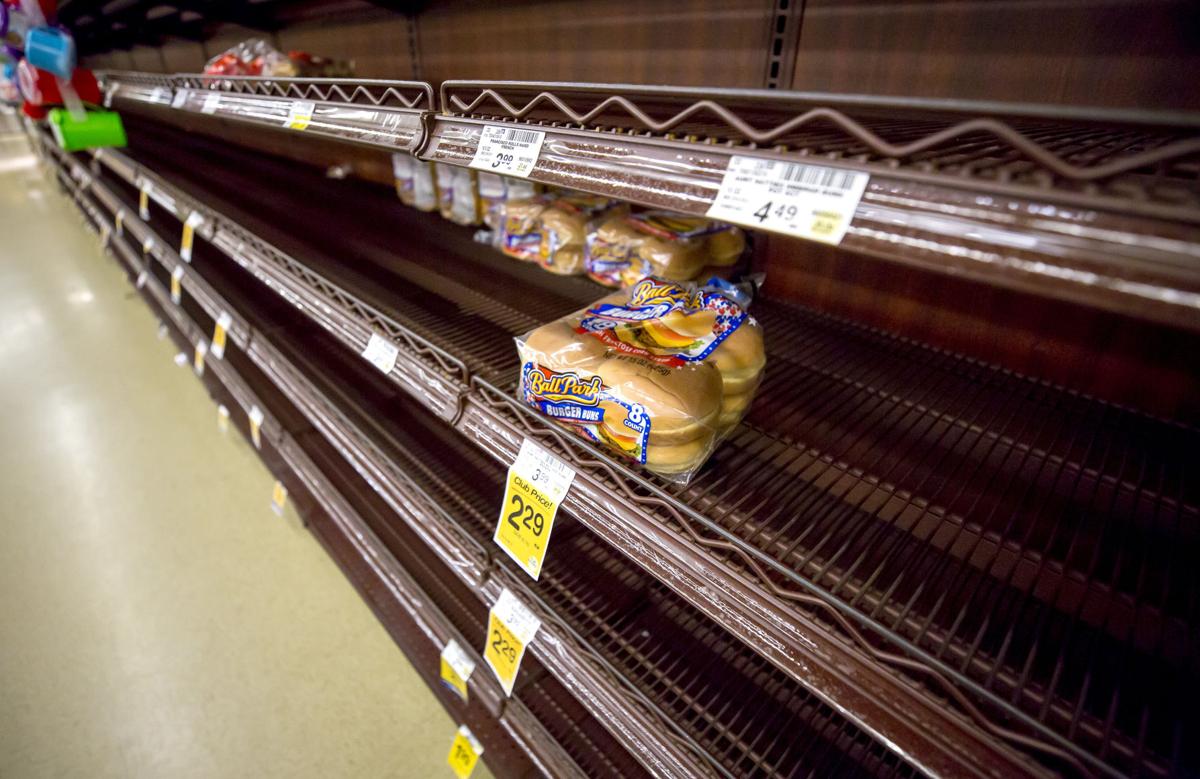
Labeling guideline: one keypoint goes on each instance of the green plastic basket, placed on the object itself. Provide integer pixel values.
(96, 130)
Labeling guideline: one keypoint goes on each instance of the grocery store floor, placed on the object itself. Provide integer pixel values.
(156, 618)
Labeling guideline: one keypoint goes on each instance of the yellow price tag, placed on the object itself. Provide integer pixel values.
(300, 114)
(198, 358)
(279, 495)
(219, 333)
(256, 419)
(511, 626)
(144, 203)
(188, 238)
(464, 752)
(176, 284)
(537, 483)
(456, 668)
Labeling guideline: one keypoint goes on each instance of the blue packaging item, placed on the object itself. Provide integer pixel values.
(52, 50)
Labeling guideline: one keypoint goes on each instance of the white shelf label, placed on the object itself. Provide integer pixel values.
(212, 101)
(181, 96)
(300, 114)
(108, 95)
(815, 202)
(381, 353)
(141, 279)
(119, 222)
(223, 418)
(156, 95)
(220, 333)
(148, 244)
(256, 419)
(512, 151)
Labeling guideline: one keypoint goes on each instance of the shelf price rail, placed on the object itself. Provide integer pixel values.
(1095, 206)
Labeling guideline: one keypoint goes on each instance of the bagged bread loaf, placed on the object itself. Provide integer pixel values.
(423, 185)
(457, 196)
(564, 226)
(657, 374)
(520, 234)
(496, 190)
(658, 243)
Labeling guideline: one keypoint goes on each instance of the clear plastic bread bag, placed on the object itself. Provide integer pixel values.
(564, 226)
(657, 374)
(623, 250)
(424, 185)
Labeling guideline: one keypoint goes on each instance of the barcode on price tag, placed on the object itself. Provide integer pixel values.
(220, 333)
(512, 151)
(457, 667)
(212, 101)
(256, 419)
(194, 220)
(464, 752)
(180, 97)
(511, 626)
(176, 284)
(537, 483)
(300, 114)
(381, 353)
(198, 358)
(815, 202)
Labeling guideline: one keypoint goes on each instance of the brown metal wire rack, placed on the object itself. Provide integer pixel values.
(1030, 543)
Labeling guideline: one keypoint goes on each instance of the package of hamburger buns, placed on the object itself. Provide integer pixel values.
(624, 249)
(520, 234)
(658, 373)
(564, 226)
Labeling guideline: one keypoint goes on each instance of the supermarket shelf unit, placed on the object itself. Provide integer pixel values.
(415, 621)
(818, 599)
(827, 735)
(1094, 206)
(493, 425)
(558, 645)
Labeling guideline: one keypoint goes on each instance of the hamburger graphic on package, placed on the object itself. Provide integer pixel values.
(657, 373)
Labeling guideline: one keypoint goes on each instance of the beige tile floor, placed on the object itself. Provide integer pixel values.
(156, 618)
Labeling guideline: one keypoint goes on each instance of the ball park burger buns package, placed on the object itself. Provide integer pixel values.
(628, 247)
(658, 373)
(564, 226)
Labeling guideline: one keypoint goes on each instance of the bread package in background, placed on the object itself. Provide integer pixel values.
(520, 233)
(670, 246)
(402, 172)
(424, 185)
(657, 374)
(564, 226)
(457, 198)
(495, 190)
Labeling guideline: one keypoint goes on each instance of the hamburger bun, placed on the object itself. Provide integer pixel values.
(565, 260)
(726, 246)
(678, 458)
(682, 402)
(740, 358)
(673, 260)
(558, 347)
